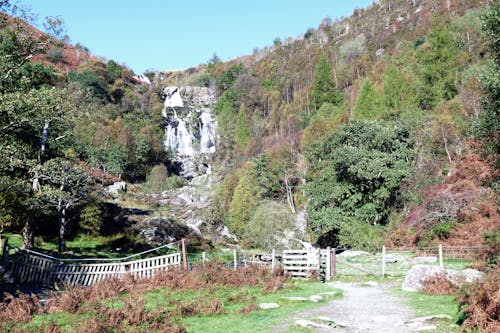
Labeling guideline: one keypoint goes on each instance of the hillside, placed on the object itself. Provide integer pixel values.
(381, 127)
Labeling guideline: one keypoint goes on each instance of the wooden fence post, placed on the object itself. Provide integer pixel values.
(383, 260)
(441, 256)
(203, 258)
(235, 259)
(273, 259)
(184, 254)
(328, 263)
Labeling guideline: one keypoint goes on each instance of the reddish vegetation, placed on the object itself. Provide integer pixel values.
(464, 198)
(92, 300)
(481, 304)
(439, 285)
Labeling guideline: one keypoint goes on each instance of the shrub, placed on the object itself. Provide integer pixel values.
(480, 304)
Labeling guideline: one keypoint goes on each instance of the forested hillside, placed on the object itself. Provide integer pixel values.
(383, 126)
(378, 127)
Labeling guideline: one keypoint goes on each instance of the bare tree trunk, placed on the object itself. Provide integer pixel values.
(289, 195)
(29, 231)
(29, 227)
(446, 145)
(62, 230)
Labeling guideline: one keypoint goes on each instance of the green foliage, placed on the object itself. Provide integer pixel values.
(91, 218)
(113, 71)
(226, 121)
(487, 127)
(369, 105)
(440, 231)
(323, 89)
(242, 131)
(322, 124)
(226, 80)
(366, 237)
(269, 224)
(90, 82)
(438, 67)
(245, 199)
(267, 176)
(398, 95)
(158, 180)
(355, 175)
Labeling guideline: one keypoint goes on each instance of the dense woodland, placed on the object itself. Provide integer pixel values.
(382, 126)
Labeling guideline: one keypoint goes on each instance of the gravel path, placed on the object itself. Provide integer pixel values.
(363, 308)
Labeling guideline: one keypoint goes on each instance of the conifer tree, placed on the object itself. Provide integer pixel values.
(324, 90)
(369, 105)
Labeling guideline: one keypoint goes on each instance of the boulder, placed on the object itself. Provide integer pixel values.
(417, 274)
(161, 230)
(462, 277)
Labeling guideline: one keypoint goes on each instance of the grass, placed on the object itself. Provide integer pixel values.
(432, 305)
(232, 320)
(261, 320)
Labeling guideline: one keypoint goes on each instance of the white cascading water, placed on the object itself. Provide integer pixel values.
(190, 128)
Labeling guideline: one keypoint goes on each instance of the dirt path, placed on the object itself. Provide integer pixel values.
(363, 308)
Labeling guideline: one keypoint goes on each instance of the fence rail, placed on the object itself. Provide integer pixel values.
(32, 268)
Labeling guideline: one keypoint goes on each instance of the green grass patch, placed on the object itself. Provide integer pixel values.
(261, 320)
(431, 305)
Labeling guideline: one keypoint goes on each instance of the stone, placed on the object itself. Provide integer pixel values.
(428, 323)
(116, 187)
(417, 274)
(268, 305)
(310, 323)
(161, 230)
(420, 260)
(462, 277)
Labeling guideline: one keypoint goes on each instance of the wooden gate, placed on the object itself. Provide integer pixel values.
(37, 268)
(301, 263)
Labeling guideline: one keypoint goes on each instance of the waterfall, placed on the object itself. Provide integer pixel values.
(190, 128)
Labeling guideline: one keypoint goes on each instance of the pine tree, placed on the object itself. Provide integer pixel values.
(369, 105)
(324, 90)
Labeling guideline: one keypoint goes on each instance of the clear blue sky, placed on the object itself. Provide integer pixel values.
(166, 34)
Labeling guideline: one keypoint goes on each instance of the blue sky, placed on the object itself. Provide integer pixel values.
(165, 34)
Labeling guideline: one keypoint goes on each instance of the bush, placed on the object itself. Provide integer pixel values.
(480, 304)
(271, 223)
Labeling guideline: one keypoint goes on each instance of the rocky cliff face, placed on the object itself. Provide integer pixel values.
(190, 136)
(190, 129)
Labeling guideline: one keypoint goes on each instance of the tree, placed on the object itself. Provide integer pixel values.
(439, 65)
(324, 90)
(354, 177)
(398, 95)
(369, 105)
(113, 71)
(245, 199)
(487, 126)
(242, 131)
(63, 185)
(271, 223)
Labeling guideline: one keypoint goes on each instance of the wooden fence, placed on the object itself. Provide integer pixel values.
(302, 263)
(34, 268)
